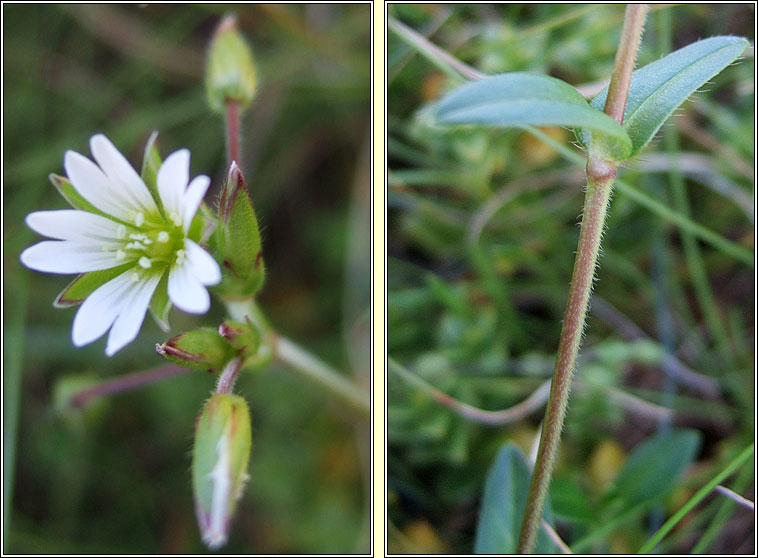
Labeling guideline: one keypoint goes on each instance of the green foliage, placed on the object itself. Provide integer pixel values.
(481, 234)
(651, 468)
(520, 99)
(658, 88)
(503, 506)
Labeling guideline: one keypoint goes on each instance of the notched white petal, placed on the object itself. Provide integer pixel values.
(173, 177)
(98, 312)
(186, 291)
(192, 198)
(73, 224)
(90, 181)
(130, 318)
(65, 256)
(121, 172)
(201, 264)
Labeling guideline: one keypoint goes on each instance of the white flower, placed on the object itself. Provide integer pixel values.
(130, 231)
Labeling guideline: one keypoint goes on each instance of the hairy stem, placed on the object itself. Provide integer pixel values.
(232, 132)
(600, 176)
(623, 65)
(228, 376)
(595, 207)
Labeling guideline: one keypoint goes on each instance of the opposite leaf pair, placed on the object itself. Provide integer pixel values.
(521, 99)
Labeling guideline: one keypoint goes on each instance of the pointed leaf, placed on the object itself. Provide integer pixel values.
(84, 285)
(503, 506)
(521, 99)
(659, 88)
(151, 162)
(653, 467)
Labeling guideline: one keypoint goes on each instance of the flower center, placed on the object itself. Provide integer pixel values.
(151, 246)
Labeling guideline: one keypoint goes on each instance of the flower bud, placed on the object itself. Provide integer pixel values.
(201, 348)
(244, 337)
(239, 239)
(219, 464)
(230, 72)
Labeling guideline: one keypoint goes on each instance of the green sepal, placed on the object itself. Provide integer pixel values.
(202, 349)
(160, 304)
(151, 162)
(238, 240)
(85, 284)
(69, 193)
(220, 456)
(202, 226)
(230, 74)
(244, 337)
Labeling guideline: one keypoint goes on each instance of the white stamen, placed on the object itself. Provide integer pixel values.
(139, 219)
(145, 262)
(121, 231)
(180, 257)
(176, 219)
(120, 254)
(135, 246)
(163, 236)
(138, 236)
(135, 277)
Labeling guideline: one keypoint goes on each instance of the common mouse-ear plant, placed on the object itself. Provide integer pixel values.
(146, 241)
(613, 128)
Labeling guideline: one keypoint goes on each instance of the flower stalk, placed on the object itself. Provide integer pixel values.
(232, 132)
(601, 174)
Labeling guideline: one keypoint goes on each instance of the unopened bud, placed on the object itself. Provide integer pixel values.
(219, 464)
(230, 72)
(201, 348)
(244, 337)
(239, 239)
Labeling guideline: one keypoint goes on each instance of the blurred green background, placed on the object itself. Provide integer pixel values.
(482, 231)
(115, 478)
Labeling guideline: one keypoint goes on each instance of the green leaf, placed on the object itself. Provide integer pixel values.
(652, 468)
(151, 162)
(659, 88)
(503, 505)
(84, 285)
(521, 99)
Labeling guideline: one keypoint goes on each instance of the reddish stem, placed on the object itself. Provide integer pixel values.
(126, 383)
(232, 132)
